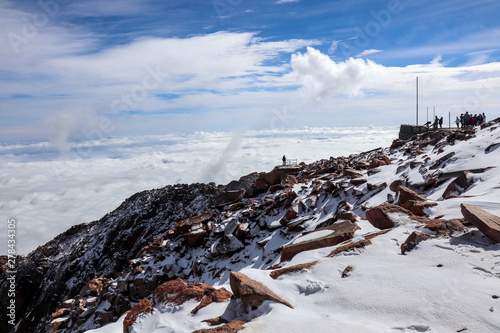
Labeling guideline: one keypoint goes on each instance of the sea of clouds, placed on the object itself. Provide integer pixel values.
(47, 190)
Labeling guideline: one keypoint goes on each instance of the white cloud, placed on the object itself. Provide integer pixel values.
(368, 52)
(48, 194)
(280, 2)
(322, 77)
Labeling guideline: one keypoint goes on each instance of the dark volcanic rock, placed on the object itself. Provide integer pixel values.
(108, 245)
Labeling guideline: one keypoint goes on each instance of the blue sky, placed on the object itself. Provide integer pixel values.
(76, 70)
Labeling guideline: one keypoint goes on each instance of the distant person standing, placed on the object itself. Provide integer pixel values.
(457, 121)
(436, 122)
(441, 122)
(484, 117)
(284, 160)
(466, 119)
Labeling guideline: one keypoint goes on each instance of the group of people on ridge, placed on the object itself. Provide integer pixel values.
(467, 119)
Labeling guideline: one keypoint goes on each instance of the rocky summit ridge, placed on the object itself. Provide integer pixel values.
(176, 246)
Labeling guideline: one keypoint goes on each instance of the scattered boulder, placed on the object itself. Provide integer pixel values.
(178, 292)
(59, 313)
(362, 165)
(348, 172)
(195, 239)
(379, 216)
(377, 162)
(440, 162)
(405, 195)
(142, 308)
(226, 244)
(446, 227)
(93, 287)
(356, 245)
(228, 197)
(458, 186)
(487, 223)
(185, 225)
(397, 143)
(251, 292)
(358, 181)
(218, 296)
(412, 241)
(417, 207)
(287, 270)
(231, 327)
(328, 236)
(347, 271)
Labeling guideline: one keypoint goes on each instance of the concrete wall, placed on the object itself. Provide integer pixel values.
(407, 131)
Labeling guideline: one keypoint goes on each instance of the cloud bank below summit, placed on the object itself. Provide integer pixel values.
(47, 193)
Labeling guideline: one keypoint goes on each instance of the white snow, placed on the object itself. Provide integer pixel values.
(443, 285)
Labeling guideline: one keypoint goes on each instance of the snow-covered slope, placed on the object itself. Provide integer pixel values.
(288, 230)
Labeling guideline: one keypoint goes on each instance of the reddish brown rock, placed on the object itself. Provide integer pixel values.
(220, 295)
(458, 186)
(347, 271)
(340, 232)
(356, 245)
(358, 181)
(142, 308)
(395, 184)
(215, 321)
(377, 162)
(231, 327)
(379, 216)
(417, 207)
(251, 292)
(290, 196)
(405, 194)
(217, 296)
(412, 241)
(397, 143)
(178, 292)
(347, 216)
(288, 180)
(291, 213)
(348, 172)
(277, 273)
(261, 184)
(228, 197)
(194, 239)
(272, 178)
(184, 225)
(446, 227)
(362, 165)
(59, 313)
(105, 317)
(487, 223)
(93, 287)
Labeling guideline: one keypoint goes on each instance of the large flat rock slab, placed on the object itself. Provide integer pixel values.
(489, 224)
(324, 237)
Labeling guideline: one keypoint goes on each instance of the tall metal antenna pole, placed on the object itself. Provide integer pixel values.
(417, 100)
